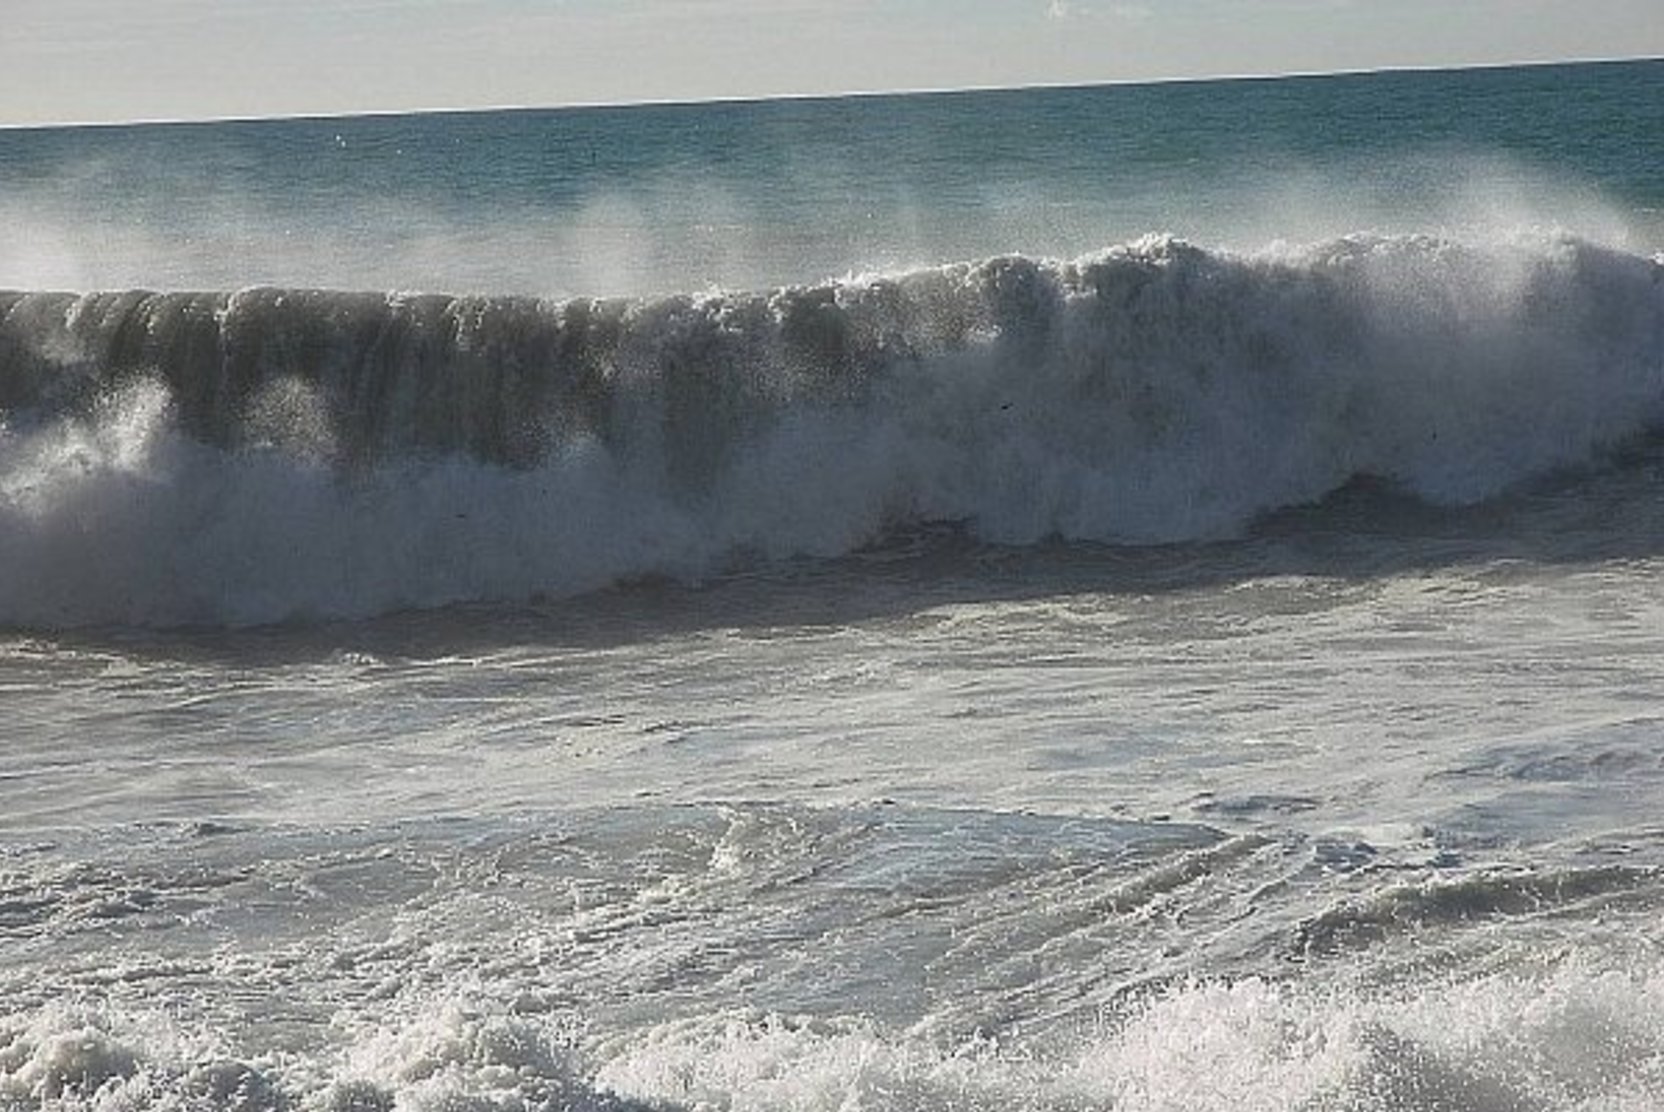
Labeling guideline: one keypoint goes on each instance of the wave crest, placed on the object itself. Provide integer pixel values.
(267, 453)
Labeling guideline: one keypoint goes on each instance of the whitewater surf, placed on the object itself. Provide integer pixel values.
(1131, 598)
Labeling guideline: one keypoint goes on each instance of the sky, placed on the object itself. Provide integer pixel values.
(116, 60)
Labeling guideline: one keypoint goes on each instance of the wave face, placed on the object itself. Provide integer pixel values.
(271, 454)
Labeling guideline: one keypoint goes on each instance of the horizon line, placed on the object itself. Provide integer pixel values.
(767, 98)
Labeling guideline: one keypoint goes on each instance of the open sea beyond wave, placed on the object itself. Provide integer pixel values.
(1126, 598)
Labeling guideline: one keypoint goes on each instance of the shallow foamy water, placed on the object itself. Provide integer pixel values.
(1333, 817)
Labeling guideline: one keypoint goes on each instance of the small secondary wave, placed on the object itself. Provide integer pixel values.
(267, 454)
(1568, 1037)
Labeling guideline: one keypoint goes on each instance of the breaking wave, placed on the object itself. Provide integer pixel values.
(1569, 1037)
(273, 454)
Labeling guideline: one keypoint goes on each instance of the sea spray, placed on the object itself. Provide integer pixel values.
(267, 454)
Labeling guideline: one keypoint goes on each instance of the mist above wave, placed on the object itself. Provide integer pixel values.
(265, 454)
(302, 207)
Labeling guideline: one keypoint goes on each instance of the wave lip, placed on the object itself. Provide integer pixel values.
(412, 450)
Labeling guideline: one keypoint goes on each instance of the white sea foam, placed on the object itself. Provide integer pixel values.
(1567, 1037)
(273, 454)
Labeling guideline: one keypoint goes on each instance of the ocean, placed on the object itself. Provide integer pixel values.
(1117, 598)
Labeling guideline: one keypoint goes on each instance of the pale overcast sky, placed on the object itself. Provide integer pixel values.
(85, 60)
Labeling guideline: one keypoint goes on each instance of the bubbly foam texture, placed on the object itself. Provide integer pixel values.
(1575, 1038)
(274, 454)
(1570, 1036)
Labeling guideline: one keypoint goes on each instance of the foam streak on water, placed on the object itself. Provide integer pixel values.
(943, 825)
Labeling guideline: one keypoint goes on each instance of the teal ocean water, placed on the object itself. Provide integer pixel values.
(681, 198)
(1109, 598)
